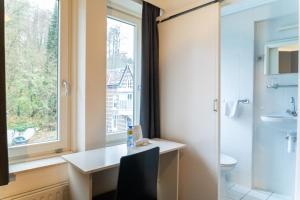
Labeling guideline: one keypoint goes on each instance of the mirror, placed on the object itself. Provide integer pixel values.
(281, 57)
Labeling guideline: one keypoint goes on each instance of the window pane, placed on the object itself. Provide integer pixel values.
(120, 76)
(31, 45)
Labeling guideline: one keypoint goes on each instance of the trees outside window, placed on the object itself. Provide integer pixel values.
(32, 32)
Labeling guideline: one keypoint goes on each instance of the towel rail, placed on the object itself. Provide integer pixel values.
(276, 86)
(244, 101)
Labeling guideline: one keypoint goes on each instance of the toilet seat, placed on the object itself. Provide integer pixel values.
(227, 160)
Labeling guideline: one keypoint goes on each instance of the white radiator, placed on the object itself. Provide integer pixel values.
(54, 192)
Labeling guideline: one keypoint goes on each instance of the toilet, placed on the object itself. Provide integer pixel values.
(227, 164)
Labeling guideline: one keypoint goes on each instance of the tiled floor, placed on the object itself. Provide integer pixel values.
(237, 192)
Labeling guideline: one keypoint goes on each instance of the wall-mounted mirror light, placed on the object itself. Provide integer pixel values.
(281, 57)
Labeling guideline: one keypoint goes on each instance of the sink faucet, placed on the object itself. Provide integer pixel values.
(292, 111)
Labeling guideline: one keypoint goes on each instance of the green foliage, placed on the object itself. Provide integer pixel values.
(21, 127)
(31, 65)
(52, 42)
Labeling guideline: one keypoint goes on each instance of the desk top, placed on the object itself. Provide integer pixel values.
(105, 158)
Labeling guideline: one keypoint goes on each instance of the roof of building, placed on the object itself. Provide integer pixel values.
(115, 77)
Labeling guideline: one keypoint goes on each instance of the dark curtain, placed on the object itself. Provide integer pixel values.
(4, 175)
(150, 114)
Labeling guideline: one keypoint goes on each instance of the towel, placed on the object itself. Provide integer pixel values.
(231, 108)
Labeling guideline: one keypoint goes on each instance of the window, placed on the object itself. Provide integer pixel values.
(130, 83)
(123, 74)
(36, 66)
(115, 102)
(114, 127)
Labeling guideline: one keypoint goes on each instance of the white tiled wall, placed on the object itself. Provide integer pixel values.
(274, 167)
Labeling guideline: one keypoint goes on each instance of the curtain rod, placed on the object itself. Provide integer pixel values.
(190, 10)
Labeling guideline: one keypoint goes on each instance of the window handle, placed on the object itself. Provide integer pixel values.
(139, 87)
(66, 86)
(215, 107)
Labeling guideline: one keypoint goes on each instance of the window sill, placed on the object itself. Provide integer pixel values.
(33, 165)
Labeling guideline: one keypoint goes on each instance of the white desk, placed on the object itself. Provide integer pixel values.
(96, 171)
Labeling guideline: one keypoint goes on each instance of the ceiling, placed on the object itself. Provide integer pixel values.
(228, 6)
(177, 4)
(129, 5)
(159, 3)
(169, 5)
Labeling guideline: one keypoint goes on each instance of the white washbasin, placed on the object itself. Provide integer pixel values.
(282, 122)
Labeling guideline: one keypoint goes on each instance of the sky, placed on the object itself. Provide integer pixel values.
(44, 4)
(126, 36)
(127, 30)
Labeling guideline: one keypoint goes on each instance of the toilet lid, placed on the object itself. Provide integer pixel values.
(227, 160)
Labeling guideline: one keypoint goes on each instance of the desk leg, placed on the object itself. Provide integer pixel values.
(168, 176)
(80, 184)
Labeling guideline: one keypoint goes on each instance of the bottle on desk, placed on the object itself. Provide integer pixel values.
(130, 139)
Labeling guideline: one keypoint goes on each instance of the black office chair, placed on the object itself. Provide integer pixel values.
(137, 177)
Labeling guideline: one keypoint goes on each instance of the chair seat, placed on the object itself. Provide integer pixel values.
(106, 196)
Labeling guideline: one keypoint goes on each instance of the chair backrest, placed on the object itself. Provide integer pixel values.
(138, 176)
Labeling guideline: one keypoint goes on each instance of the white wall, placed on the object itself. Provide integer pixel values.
(35, 179)
(274, 167)
(89, 73)
(189, 63)
(237, 81)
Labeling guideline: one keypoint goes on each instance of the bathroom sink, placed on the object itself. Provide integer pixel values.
(281, 121)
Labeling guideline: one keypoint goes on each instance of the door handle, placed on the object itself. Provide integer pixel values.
(66, 86)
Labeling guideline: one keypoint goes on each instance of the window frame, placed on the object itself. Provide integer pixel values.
(63, 106)
(132, 19)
